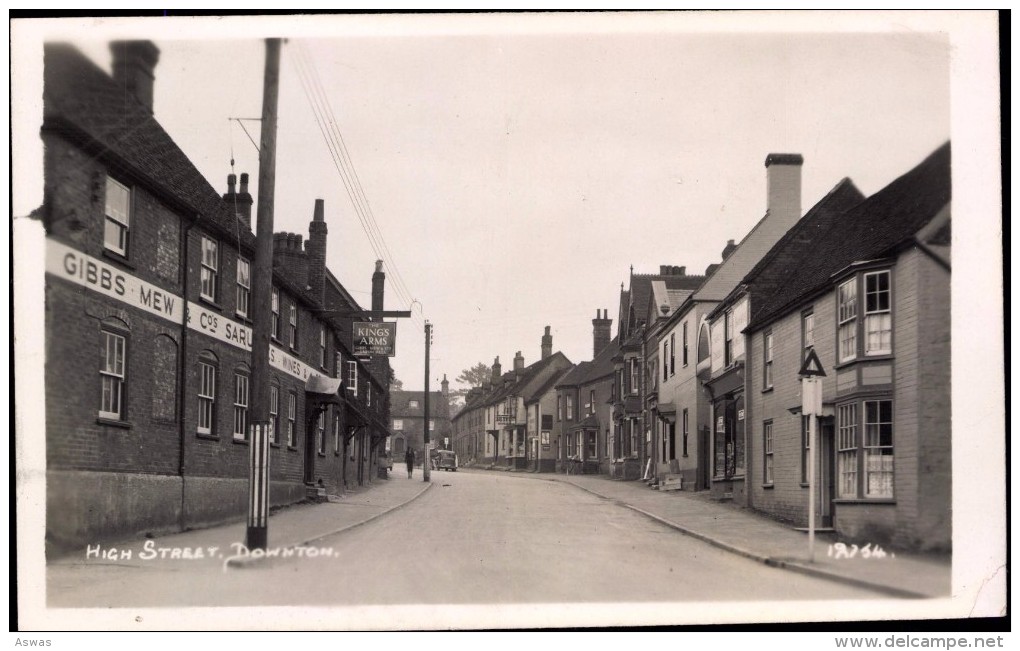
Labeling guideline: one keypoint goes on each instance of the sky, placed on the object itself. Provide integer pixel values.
(517, 167)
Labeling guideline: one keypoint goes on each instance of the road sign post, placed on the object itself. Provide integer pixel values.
(811, 406)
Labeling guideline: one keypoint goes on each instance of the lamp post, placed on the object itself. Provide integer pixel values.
(428, 457)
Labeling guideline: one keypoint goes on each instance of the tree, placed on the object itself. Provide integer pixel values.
(474, 376)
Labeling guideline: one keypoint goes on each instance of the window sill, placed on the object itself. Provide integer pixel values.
(274, 445)
(110, 422)
(768, 389)
(768, 486)
(207, 437)
(240, 441)
(884, 357)
(865, 500)
(320, 454)
(292, 448)
(243, 318)
(118, 258)
(210, 302)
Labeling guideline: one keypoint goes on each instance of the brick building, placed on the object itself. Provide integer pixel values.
(631, 411)
(148, 330)
(867, 288)
(585, 399)
(407, 411)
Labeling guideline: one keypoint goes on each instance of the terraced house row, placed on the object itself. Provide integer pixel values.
(700, 388)
(148, 327)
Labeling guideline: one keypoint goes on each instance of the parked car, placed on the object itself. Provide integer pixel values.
(447, 460)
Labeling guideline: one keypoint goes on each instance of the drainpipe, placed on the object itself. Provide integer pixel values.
(182, 383)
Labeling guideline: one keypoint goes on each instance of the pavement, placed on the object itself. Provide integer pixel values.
(758, 537)
(725, 525)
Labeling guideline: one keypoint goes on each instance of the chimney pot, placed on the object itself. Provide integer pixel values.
(244, 182)
(783, 183)
(231, 182)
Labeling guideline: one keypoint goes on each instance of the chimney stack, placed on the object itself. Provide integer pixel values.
(446, 387)
(546, 343)
(239, 201)
(316, 250)
(728, 249)
(497, 370)
(518, 362)
(783, 174)
(602, 329)
(378, 287)
(134, 63)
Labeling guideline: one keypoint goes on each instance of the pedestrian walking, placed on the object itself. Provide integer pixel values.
(409, 460)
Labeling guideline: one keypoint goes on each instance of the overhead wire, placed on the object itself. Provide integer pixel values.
(342, 165)
(333, 139)
(322, 109)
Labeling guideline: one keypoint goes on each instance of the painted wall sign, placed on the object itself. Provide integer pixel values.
(740, 414)
(375, 338)
(219, 327)
(64, 262)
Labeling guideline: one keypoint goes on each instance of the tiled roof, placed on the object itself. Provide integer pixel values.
(641, 289)
(872, 229)
(598, 368)
(85, 105)
(439, 406)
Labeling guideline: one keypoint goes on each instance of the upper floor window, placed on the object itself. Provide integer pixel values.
(877, 314)
(672, 353)
(704, 344)
(210, 268)
(113, 376)
(665, 367)
(368, 394)
(767, 361)
(322, 347)
(243, 286)
(413, 404)
(871, 335)
(728, 338)
(634, 375)
(559, 408)
(807, 333)
(292, 323)
(432, 425)
(118, 217)
(684, 343)
(570, 407)
(847, 314)
(276, 314)
(352, 377)
(592, 403)
(398, 424)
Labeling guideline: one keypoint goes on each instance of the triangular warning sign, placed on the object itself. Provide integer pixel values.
(812, 365)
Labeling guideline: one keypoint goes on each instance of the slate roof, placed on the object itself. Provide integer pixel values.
(519, 381)
(84, 104)
(871, 229)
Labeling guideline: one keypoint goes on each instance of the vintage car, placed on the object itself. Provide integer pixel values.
(447, 460)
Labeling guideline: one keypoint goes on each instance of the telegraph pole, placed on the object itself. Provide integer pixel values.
(257, 534)
(428, 457)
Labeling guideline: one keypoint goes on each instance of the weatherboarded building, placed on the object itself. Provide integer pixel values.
(868, 291)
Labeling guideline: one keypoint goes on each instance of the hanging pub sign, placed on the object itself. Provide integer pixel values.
(375, 338)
